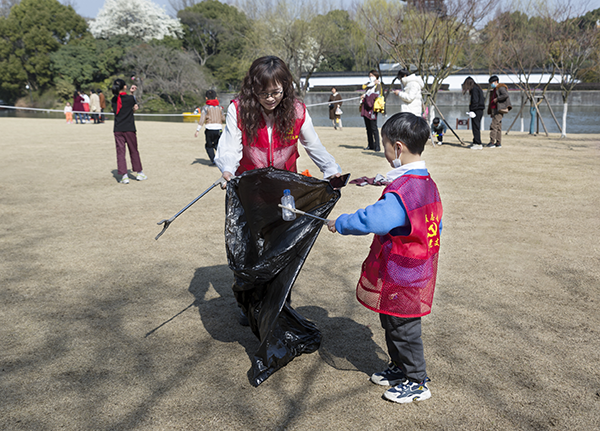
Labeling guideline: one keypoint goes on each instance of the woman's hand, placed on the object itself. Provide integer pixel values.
(133, 88)
(226, 176)
(196, 134)
(135, 107)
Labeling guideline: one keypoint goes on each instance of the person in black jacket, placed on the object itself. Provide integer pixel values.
(476, 106)
(123, 106)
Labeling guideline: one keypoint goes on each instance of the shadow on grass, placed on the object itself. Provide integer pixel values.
(346, 345)
(211, 287)
(202, 162)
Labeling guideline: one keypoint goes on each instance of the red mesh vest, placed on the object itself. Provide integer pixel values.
(398, 276)
(262, 154)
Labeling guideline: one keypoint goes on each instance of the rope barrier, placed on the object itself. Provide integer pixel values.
(334, 101)
(140, 115)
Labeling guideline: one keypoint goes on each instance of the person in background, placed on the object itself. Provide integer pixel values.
(335, 108)
(476, 107)
(410, 95)
(78, 107)
(95, 106)
(499, 105)
(367, 111)
(212, 118)
(102, 105)
(438, 129)
(69, 113)
(86, 107)
(123, 106)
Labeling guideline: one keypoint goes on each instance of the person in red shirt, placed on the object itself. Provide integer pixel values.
(264, 125)
(124, 106)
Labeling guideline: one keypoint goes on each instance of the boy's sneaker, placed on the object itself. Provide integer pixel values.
(390, 377)
(476, 147)
(498, 145)
(491, 145)
(408, 392)
(124, 179)
(141, 176)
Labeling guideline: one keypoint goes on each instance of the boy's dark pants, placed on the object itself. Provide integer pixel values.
(212, 140)
(405, 347)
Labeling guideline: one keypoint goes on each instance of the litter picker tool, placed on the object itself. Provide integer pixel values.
(166, 223)
(324, 220)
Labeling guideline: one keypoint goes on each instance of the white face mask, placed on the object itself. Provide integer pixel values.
(396, 162)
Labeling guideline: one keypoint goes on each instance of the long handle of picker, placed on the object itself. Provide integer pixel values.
(167, 222)
(324, 220)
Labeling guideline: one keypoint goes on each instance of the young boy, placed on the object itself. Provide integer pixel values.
(438, 129)
(398, 276)
(212, 117)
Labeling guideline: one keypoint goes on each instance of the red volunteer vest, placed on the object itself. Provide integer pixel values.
(279, 154)
(398, 276)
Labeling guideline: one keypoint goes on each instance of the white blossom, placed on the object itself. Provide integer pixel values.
(142, 19)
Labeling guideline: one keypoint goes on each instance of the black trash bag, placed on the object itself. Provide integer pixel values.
(266, 254)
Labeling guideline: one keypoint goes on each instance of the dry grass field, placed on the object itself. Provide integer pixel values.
(104, 328)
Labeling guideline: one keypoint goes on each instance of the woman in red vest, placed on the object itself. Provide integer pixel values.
(265, 122)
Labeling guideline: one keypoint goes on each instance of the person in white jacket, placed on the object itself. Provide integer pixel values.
(412, 100)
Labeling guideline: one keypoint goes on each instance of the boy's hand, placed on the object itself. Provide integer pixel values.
(331, 226)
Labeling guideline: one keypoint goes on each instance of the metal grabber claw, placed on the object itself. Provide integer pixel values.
(167, 222)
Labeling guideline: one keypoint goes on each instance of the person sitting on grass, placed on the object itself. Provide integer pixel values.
(398, 276)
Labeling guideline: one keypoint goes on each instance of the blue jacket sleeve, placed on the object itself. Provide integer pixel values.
(380, 218)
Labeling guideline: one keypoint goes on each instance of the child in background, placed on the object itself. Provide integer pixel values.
(438, 129)
(123, 106)
(69, 113)
(398, 276)
(212, 118)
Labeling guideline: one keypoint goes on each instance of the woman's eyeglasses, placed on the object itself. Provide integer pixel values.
(275, 95)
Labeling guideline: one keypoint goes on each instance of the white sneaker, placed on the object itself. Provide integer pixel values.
(476, 147)
(124, 179)
(141, 176)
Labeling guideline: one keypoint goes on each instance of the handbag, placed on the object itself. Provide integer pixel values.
(379, 104)
(503, 111)
(338, 111)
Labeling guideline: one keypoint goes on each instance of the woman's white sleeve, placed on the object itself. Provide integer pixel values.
(315, 149)
(229, 150)
(410, 93)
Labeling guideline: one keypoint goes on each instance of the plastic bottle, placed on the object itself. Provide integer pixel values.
(288, 201)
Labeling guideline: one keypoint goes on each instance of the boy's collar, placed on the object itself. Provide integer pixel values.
(398, 172)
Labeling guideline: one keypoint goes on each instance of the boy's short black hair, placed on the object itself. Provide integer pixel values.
(409, 129)
(494, 78)
(211, 94)
(436, 120)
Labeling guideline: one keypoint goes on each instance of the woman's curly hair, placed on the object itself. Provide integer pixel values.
(263, 72)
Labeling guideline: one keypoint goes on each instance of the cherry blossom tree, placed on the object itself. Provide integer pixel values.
(138, 18)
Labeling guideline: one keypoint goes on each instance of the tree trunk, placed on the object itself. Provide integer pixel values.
(564, 120)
